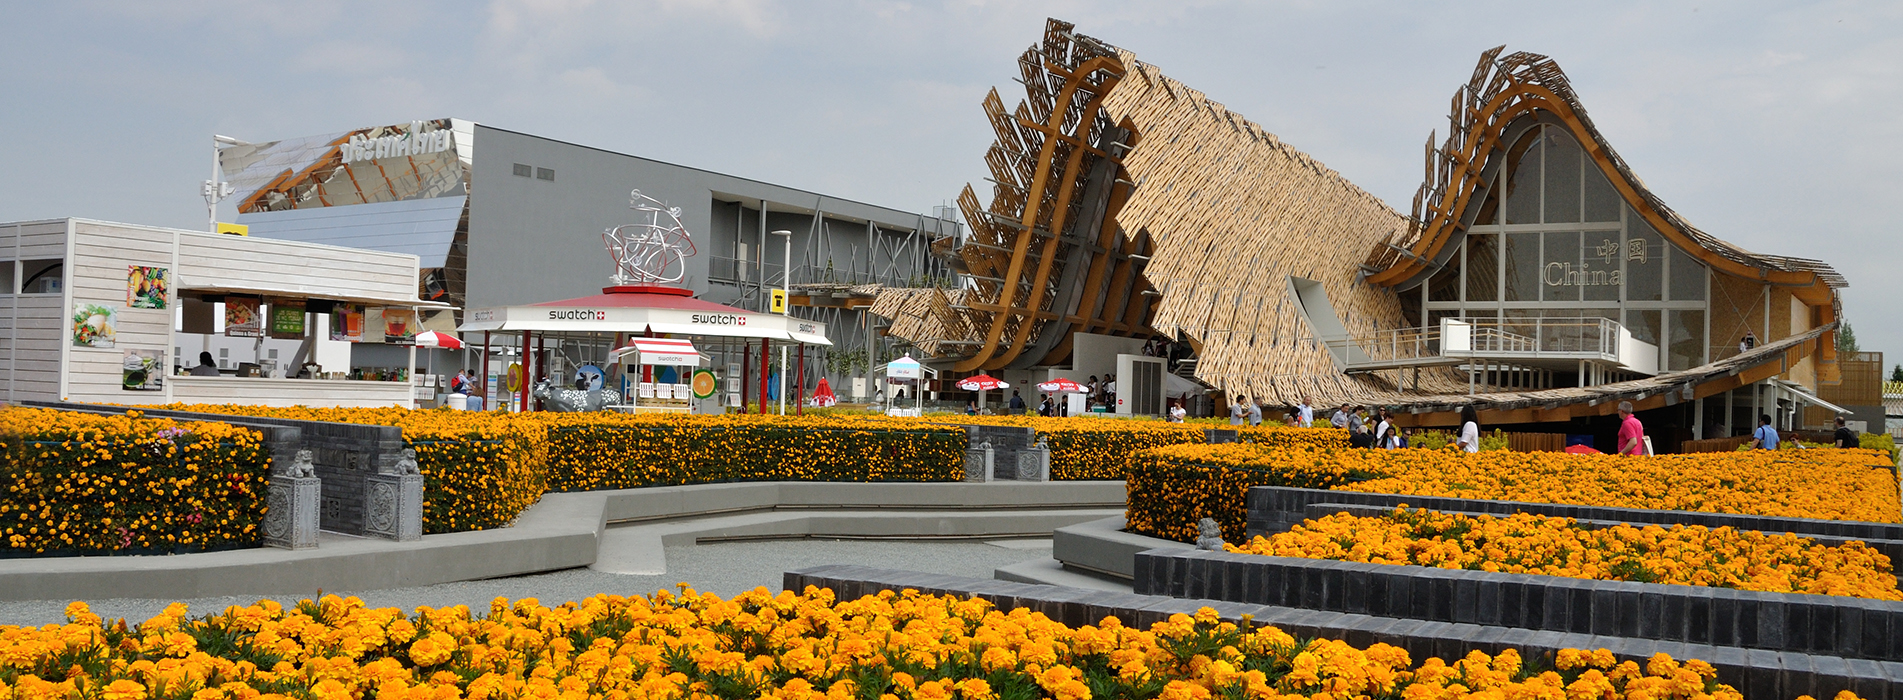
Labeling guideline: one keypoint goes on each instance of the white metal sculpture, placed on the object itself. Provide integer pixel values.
(653, 252)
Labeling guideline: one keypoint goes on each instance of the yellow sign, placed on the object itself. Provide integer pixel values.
(779, 301)
(234, 229)
(515, 377)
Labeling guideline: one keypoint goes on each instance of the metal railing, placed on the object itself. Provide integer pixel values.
(1586, 338)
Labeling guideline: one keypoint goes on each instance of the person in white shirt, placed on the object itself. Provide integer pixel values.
(1255, 413)
(1340, 419)
(1176, 411)
(1469, 429)
(1385, 436)
(1238, 410)
(1306, 414)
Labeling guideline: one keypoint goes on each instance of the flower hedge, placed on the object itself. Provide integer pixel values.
(1172, 487)
(1085, 447)
(791, 647)
(80, 483)
(1525, 543)
(481, 469)
(589, 452)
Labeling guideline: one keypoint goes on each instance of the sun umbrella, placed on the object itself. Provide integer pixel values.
(1582, 450)
(823, 395)
(433, 339)
(982, 382)
(1061, 386)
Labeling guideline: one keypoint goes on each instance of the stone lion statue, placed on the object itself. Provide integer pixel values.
(303, 465)
(406, 465)
(1209, 535)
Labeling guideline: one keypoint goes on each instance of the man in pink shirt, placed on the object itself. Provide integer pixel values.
(1631, 433)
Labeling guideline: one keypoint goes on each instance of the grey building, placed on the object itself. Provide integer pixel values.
(501, 217)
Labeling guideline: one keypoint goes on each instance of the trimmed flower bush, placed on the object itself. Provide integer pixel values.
(80, 484)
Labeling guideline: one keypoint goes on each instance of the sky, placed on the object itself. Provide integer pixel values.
(1773, 125)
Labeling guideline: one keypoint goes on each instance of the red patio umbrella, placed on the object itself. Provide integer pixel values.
(982, 382)
(1582, 450)
(433, 339)
(823, 395)
(1061, 386)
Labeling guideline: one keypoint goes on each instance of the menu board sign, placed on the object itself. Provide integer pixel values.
(399, 326)
(346, 322)
(287, 320)
(243, 317)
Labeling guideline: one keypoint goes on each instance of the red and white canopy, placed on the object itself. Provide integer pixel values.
(1061, 386)
(672, 352)
(982, 382)
(433, 339)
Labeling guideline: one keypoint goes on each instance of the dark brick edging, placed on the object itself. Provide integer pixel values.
(1841, 626)
(1276, 508)
(1755, 672)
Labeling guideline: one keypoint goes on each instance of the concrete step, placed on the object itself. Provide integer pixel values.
(1052, 572)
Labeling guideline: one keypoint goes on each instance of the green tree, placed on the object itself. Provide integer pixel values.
(1896, 375)
(1846, 339)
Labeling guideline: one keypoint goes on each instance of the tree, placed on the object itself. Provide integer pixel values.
(1896, 375)
(1846, 340)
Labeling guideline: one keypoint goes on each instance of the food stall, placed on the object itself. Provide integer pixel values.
(118, 313)
(593, 329)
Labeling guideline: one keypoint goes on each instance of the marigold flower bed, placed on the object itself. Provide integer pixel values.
(80, 483)
(1172, 487)
(483, 468)
(905, 647)
(1531, 544)
(1085, 447)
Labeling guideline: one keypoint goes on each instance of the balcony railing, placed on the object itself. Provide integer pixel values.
(1462, 341)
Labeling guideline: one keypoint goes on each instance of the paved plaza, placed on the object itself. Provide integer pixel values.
(723, 568)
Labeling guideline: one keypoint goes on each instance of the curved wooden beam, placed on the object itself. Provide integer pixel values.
(1033, 200)
(1484, 137)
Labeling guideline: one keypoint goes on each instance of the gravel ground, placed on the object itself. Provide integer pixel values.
(724, 568)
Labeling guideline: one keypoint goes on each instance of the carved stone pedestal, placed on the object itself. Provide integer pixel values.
(393, 506)
(978, 462)
(1034, 463)
(290, 518)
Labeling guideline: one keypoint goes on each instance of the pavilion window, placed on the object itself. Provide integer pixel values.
(1523, 267)
(1483, 267)
(1523, 180)
(1562, 178)
(1687, 346)
(1644, 257)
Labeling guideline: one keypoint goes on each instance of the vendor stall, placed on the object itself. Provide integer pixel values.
(120, 313)
(629, 319)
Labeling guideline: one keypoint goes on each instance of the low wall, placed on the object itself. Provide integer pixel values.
(1852, 628)
(1755, 673)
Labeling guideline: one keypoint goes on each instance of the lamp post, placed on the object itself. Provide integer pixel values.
(786, 293)
(214, 190)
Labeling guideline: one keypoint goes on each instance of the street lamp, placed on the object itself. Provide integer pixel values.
(213, 190)
(786, 295)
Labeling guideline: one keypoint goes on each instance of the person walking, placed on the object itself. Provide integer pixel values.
(1306, 414)
(1469, 430)
(1017, 403)
(1237, 411)
(1765, 437)
(1631, 431)
(1846, 438)
(1340, 419)
(1255, 414)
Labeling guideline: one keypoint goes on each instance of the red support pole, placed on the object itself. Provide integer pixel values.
(526, 364)
(799, 386)
(766, 348)
(746, 364)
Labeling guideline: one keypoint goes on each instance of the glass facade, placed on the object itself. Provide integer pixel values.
(1553, 239)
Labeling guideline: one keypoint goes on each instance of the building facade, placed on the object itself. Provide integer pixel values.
(1536, 278)
(501, 218)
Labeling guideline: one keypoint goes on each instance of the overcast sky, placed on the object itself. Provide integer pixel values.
(1772, 125)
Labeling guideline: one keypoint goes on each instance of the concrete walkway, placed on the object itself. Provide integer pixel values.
(613, 531)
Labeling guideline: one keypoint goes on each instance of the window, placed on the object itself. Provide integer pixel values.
(1445, 285)
(1523, 267)
(1483, 267)
(1559, 269)
(7, 277)
(42, 276)
(1688, 277)
(522, 170)
(545, 174)
(1644, 261)
(1562, 178)
(1523, 180)
(1687, 347)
